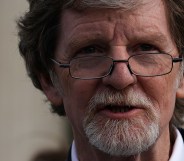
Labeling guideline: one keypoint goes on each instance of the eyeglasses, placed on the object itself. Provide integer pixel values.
(95, 67)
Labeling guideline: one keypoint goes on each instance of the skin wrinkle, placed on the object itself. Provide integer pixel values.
(75, 41)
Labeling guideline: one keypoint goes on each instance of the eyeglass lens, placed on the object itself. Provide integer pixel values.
(142, 64)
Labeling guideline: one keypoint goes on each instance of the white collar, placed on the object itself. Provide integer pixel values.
(178, 148)
(177, 153)
(74, 152)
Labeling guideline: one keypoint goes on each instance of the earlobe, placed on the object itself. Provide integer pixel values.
(180, 90)
(50, 90)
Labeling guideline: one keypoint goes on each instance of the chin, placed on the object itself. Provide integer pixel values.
(122, 137)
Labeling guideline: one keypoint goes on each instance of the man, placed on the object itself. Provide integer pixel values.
(115, 68)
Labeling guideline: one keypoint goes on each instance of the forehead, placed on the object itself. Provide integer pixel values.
(150, 8)
(148, 18)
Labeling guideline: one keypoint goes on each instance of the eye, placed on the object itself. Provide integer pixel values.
(91, 50)
(146, 48)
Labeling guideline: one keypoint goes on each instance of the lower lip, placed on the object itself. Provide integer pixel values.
(121, 115)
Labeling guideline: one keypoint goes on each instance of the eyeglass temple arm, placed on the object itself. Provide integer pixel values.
(61, 65)
(175, 60)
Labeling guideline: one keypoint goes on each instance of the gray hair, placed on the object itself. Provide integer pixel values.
(125, 4)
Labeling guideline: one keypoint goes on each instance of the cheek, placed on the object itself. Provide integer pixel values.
(167, 102)
(162, 91)
(77, 98)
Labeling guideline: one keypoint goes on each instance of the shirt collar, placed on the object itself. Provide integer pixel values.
(178, 148)
(74, 152)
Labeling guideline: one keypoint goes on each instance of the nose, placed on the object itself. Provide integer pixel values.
(120, 77)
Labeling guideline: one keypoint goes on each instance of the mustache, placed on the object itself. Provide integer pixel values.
(127, 97)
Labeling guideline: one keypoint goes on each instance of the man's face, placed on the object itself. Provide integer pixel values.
(120, 111)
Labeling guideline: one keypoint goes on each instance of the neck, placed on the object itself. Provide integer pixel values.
(159, 151)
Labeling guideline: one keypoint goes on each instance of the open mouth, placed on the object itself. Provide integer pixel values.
(119, 109)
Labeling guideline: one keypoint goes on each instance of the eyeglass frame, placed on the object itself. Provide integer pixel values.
(63, 65)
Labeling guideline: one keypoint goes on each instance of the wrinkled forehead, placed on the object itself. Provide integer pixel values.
(98, 10)
(127, 6)
(147, 20)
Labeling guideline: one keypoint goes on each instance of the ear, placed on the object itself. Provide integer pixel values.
(50, 91)
(180, 90)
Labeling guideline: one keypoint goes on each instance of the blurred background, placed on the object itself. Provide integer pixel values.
(28, 130)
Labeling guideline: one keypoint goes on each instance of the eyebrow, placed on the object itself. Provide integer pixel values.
(145, 36)
(152, 37)
(80, 40)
